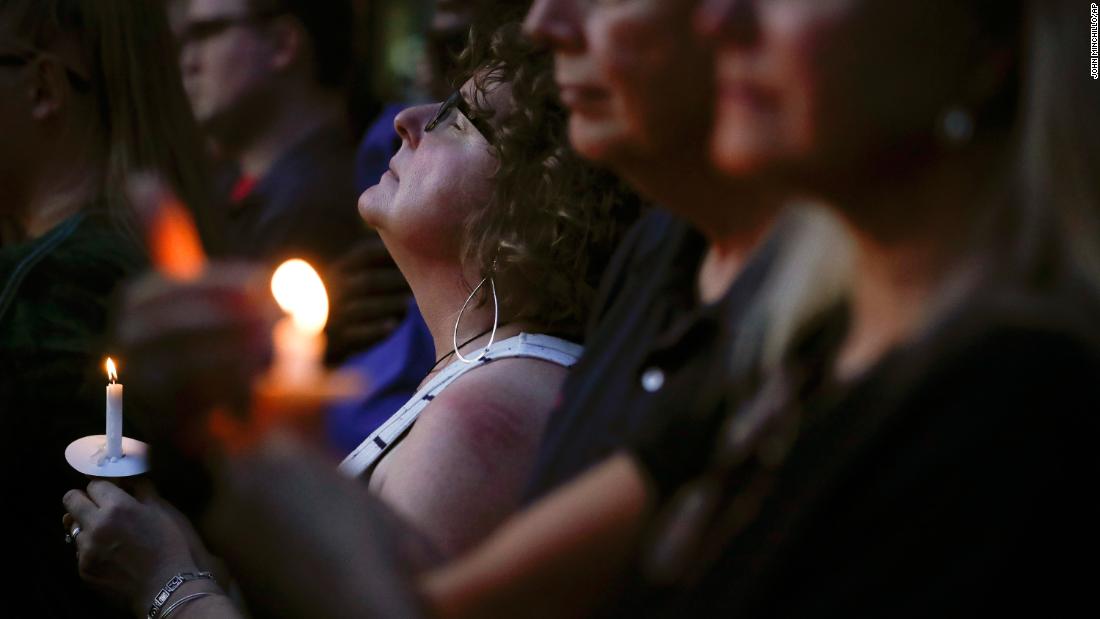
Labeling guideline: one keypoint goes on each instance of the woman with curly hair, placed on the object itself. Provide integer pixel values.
(502, 233)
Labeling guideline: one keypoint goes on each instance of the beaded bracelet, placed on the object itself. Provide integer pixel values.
(170, 587)
(183, 600)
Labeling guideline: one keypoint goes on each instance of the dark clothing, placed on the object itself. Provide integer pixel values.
(955, 477)
(650, 345)
(53, 315)
(304, 207)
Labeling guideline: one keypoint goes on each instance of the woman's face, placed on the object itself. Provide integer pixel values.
(636, 82)
(833, 87)
(18, 122)
(438, 177)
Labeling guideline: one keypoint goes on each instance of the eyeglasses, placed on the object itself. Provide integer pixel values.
(203, 29)
(23, 57)
(458, 102)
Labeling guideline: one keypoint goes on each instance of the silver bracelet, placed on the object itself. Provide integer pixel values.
(183, 600)
(170, 587)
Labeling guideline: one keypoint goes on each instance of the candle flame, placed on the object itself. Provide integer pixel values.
(112, 372)
(301, 293)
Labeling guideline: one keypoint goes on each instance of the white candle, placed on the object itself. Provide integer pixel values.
(298, 353)
(299, 339)
(114, 413)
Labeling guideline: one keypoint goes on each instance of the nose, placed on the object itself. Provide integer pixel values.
(556, 24)
(189, 58)
(409, 123)
(730, 22)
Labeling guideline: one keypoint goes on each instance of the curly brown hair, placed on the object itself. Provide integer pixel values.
(548, 230)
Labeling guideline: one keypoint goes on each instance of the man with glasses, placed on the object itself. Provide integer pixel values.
(266, 82)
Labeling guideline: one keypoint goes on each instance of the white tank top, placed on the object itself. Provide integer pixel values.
(525, 345)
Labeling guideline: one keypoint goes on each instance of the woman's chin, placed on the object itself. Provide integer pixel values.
(370, 207)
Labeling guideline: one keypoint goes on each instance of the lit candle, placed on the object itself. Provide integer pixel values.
(114, 413)
(298, 338)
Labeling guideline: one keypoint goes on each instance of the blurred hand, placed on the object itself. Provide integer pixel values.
(129, 546)
(370, 297)
(304, 540)
(189, 347)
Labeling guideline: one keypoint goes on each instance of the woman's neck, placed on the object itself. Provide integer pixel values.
(891, 294)
(733, 216)
(440, 291)
(49, 203)
(726, 257)
(912, 240)
(65, 179)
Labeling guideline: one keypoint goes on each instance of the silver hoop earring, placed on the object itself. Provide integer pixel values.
(496, 316)
(956, 125)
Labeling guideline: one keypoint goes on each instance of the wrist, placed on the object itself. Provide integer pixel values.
(168, 585)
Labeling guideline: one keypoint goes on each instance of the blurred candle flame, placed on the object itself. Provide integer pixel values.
(112, 372)
(301, 293)
(175, 247)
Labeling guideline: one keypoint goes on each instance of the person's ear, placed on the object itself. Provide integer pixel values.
(288, 42)
(47, 88)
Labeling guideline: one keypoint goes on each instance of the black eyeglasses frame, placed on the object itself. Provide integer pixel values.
(457, 101)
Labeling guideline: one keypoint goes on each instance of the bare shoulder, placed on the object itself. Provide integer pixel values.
(502, 401)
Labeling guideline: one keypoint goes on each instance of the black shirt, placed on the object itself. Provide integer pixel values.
(54, 301)
(955, 476)
(650, 346)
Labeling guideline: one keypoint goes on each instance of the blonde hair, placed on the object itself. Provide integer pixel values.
(1056, 159)
(812, 275)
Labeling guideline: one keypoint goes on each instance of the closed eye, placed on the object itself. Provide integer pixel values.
(455, 103)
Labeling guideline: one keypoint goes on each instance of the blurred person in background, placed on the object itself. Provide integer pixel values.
(90, 93)
(688, 274)
(927, 448)
(267, 81)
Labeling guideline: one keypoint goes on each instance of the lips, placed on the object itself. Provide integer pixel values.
(581, 97)
(747, 93)
(395, 176)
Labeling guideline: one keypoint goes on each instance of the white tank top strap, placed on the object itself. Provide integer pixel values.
(525, 345)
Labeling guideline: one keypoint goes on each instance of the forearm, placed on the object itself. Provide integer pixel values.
(558, 559)
(415, 549)
(294, 560)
